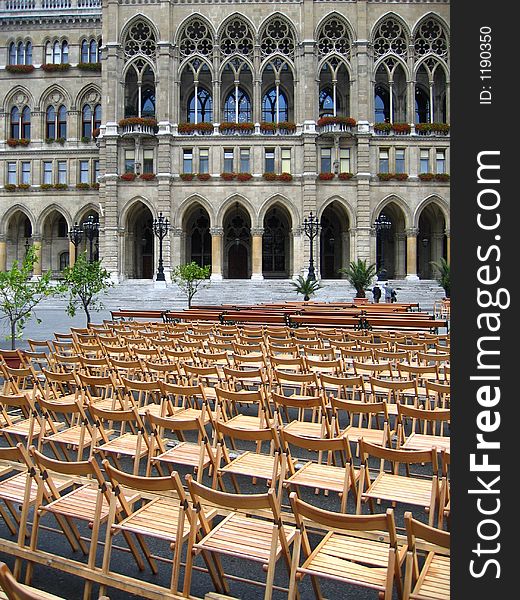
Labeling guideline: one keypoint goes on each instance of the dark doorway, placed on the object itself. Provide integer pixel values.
(237, 262)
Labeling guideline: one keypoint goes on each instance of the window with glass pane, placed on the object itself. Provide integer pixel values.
(383, 160)
(84, 51)
(20, 53)
(424, 161)
(47, 172)
(83, 171)
(326, 103)
(129, 161)
(399, 160)
(203, 160)
(62, 171)
(28, 53)
(15, 123)
(12, 53)
(245, 160)
(97, 116)
(26, 172)
(148, 161)
(228, 160)
(204, 107)
(187, 161)
(65, 52)
(11, 173)
(244, 107)
(86, 121)
(440, 160)
(26, 123)
(326, 160)
(56, 53)
(50, 123)
(48, 53)
(274, 107)
(93, 52)
(344, 160)
(62, 122)
(96, 171)
(286, 160)
(269, 160)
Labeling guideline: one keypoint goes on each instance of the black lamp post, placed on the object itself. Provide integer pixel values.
(160, 229)
(27, 245)
(91, 230)
(311, 227)
(75, 236)
(382, 225)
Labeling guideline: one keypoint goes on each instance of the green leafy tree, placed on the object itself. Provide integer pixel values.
(190, 278)
(84, 282)
(20, 293)
(442, 268)
(360, 276)
(305, 286)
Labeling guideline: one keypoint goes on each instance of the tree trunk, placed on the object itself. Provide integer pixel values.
(13, 335)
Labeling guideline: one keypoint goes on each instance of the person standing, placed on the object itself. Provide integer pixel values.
(388, 292)
(376, 293)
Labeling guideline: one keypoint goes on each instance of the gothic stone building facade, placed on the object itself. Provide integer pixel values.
(236, 120)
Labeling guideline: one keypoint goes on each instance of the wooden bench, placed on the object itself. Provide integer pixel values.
(132, 315)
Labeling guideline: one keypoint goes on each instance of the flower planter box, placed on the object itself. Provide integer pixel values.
(426, 176)
(285, 177)
(52, 68)
(195, 128)
(228, 128)
(61, 186)
(244, 177)
(187, 176)
(24, 186)
(228, 176)
(326, 176)
(145, 121)
(89, 66)
(10, 187)
(82, 186)
(127, 176)
(270, 176)
(345, 176)
(20, 69)
(203, 176)
(147, 176)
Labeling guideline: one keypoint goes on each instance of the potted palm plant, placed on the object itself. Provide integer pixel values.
(305, 286)
(360, 276)
(442, 268)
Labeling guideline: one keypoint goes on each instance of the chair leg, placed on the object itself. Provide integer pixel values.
(294, 565)
(271, 568)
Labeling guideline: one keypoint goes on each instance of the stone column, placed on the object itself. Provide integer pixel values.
(257, 236)
(448, 246)
(400, 255)
(217, 233)
(411, 254)
(297, 252)
(3, 254)
(37, 244)
(72, 254)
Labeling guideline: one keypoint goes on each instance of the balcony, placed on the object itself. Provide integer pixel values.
(138, 126)
(335, 126)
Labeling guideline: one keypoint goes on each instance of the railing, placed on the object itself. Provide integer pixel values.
(138, 129)
(334, 128)
(42, 5)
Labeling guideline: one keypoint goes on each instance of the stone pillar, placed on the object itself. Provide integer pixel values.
(72, 254)
(3, 254)
(400, 255)
(411, 254)
(217, 233)
(448, 246)
(37, 245)
(257, 236)
(297, 252)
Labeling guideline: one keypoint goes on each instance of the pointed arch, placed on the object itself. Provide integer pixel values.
(186, 205)
(48, 210)
(345, 205)
(127, 208)
(282, 200)
(44, 100)
(82, 212)
(9, 100)
(83, 96)
(441, 204)
(334, 46)
(391, 15)
(398, 201)
(201, 39)
(239, 43)
(285, 45)
(10, 212)
(134, 19)
(229, 202)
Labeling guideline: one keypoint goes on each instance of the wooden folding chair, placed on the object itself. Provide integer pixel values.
(144, 395)
(60, 387)
(87, 501)
(199, 455)
(444, 496)
(343, 387)
(356, 420)
(114, 439)
(437, 395)
(422, 429)
(21, 380)
(104, 392)
(330, 471)
(252, 530)
(186, 402)
(394, 392)
(432, 580)
(255, 464)
(20, 420)
(311, 417)
(419, 490)
(349, 552)
(229, 402)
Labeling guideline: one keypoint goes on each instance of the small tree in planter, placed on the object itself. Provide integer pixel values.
(84, 282)
(19, 295)
(442, 268)
(190, 278)
(306, 287)
(360, 276)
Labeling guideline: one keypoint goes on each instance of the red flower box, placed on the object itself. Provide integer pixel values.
(385, 176)
(187, 176)
(203, 176)
(19, 68)
(348, 121)
(442, 177)
(326, 176)
(345, 176)
(401, 128)
(270, 176)
(228, 176)
(127, 176)
(146, 121)
(426, 176)
(401, 176)
(285, 177)
(147, 176)
(244, 176)
(52, 68)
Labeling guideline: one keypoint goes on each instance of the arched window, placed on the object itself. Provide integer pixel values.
(50, 123)
(84, 51)
(97, 116)
(327, 103)
(277, 37)
(381, 105)
(62, 227)
(86, 121)
(93, 54)
(204, 107)
(15, 123)
(20, 54)
(62, 122)
(26, 123)
(65, 52)
(57, 52)
(148, 102)
(140, 100)
(12, 53)
(422, 106)
(274, 106)
(28, 53)
(196, 38)
(237, 109)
